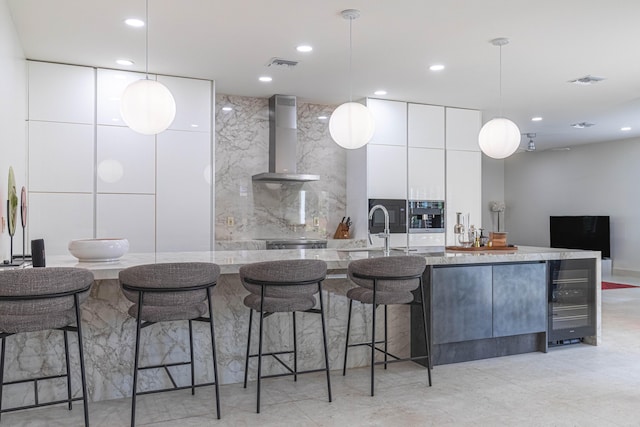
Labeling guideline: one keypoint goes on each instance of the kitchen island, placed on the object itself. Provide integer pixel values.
(109, 331)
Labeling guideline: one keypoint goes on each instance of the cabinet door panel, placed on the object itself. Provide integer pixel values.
(520, 299)
(193, 103)
(426, 126)
(387, 172)
(426, 174)
(127, 215)
(184, 192)
(391, 121)
(462, 127)
(111, 85)
(461, 303)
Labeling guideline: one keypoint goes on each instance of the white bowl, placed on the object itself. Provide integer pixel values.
(98, 250)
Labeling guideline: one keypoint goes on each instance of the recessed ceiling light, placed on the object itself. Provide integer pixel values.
(536, 119)
(125, 62)
(227, 109)
(625, 129)
(436, 67)
(304, 48)
(265, 78)
(380, 92)
(134, 22)
(322, 117)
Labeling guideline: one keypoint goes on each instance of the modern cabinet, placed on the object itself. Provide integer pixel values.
(193, 103)
(462, 128)
(391, 121)
(426, 174)
(387, 171)
(425, 126)
(110, 86)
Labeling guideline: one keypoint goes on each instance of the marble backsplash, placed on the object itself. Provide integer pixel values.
(254, 210)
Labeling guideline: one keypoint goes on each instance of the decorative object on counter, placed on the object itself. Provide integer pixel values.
(98, 250)
(498, 239)
(465, 234)
(37, 253)
(23, 221)
(497, 207)
(351, 124)
(499, 137)
(12, 213)
(342, 232)
(147, 106)
(52, 299)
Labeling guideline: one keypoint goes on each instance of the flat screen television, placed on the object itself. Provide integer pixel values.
(581, 232)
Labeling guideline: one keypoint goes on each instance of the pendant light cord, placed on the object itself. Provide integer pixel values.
(146, 40)
(350, 59)
(500, 83)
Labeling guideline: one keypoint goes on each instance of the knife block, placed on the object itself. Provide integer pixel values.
(342, 232)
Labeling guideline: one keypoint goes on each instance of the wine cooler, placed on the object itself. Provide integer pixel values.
(572, 296)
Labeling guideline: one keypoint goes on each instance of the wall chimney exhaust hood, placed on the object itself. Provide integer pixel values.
(283, 141)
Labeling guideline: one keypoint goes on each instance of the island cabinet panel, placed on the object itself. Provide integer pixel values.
(519, 299)
(461, 303)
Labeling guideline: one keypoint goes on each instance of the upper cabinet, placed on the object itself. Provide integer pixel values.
(426, 126)
(462, 127)
(391, 121)
(193, 103)
(111, 84)
(61, 93)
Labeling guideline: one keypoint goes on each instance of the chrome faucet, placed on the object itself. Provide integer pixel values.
(386, 234)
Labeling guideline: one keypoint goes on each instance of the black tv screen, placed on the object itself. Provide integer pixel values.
(580, 232)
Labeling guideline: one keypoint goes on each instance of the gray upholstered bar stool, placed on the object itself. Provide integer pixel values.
(386, 281)
(41, 299)
(278, 287)
(170, 292)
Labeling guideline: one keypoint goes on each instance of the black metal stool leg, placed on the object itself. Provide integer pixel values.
(346, 344)
(66, 360)
(426, 331)
(1, 372)
(193, 374)
(83, 377)
(135, 360)
(373, 337)
(295, 348)
(213, 351)
(385, 337)
(260, 349)
(246, 360)
(324, 340)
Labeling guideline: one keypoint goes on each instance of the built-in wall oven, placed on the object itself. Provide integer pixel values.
(426, 216)
(572, 295)
(397, 209)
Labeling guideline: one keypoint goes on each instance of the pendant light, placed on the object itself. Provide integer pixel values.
(351, 124)
(147, 106)
(499, 137)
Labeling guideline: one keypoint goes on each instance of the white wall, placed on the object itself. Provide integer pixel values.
(13, 112)
(492, 191)
(595, 179)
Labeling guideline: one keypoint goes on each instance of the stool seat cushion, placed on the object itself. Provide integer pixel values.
(163, 313)
(365, 295)
(390, 268)
(277, 305)
(14, 324)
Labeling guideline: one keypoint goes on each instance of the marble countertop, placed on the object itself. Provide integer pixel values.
(337, 259)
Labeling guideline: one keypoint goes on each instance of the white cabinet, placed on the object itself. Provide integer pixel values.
(391, 121)
(462, 128)
(60, 157)
(193, 103)
(126, 161)
(464, 189)
(61, 93)
(184, 193)
(426, 174)
(425, 126)
(110, 86)
(387, 171)
(131, 216)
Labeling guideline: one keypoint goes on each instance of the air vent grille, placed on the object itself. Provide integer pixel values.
(282, 63)
(586, 80)
(582, 125)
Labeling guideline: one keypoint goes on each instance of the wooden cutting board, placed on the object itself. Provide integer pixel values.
(482, 249)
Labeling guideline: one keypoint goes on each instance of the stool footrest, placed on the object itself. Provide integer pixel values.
(35, 380)
(140, 393)
(39, 405)
(294, 373)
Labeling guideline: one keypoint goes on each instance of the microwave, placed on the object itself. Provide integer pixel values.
(397, 209)
(426, 216)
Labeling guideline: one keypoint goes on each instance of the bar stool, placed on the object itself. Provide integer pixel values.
(278, 287)
(386, 281)
(169, 292)
(41, 299)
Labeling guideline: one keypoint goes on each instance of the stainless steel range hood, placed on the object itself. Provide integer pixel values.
(283, 141)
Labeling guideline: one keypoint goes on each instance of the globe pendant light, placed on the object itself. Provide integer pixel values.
(147, 106)
(351, 124)
(500, 137)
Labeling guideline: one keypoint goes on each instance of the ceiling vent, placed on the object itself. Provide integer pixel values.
(281, 63)
(586, 80)
(582, 125)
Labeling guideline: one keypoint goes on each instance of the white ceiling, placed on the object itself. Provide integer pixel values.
(394, 42)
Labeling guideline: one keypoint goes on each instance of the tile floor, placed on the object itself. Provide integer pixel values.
(578, 385)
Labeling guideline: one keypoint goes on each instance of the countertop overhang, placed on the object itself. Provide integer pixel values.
(336, 259)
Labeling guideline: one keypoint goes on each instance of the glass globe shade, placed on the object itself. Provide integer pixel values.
(147, 107)
(351, 125)
(499, 138)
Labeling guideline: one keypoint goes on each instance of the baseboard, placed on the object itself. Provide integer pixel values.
(627, 273)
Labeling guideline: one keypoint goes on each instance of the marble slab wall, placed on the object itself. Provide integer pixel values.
(274, 210)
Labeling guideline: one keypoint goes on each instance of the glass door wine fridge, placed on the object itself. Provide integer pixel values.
(572, 296)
